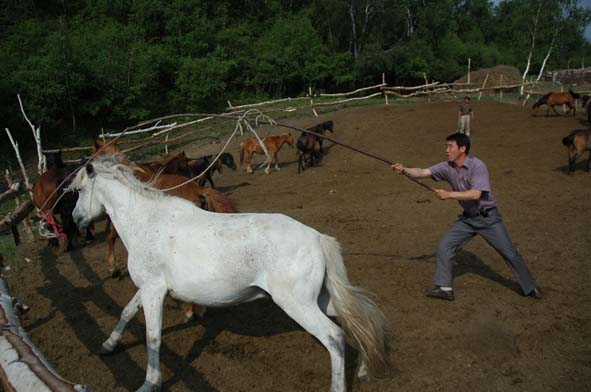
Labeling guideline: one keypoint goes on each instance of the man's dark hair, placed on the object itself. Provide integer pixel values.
(467, 97)
(460, 139)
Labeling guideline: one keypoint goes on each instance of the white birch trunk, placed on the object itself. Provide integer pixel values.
(533, 32)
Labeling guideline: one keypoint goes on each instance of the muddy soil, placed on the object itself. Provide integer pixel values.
(491, 338)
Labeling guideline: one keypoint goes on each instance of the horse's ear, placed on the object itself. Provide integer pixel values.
(90, 170)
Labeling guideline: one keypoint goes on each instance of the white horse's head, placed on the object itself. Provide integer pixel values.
(89, 205)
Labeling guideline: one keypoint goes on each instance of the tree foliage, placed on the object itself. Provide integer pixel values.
(84, 64)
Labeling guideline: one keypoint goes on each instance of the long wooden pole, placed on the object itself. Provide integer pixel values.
(386, 161)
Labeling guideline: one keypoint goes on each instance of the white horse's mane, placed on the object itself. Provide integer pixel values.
(111, 166)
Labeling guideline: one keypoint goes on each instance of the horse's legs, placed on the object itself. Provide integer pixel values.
(89, 235)
(249, 155)
(275, 160)
(128, 312)
(320, 143)
(152, 296)
(111, 239)
(326, 305)
(310, 317)
(193, 310)
(71, 231)
(589, 162)
(554, 109)
(574, 160)
(210, 180)
(300, 160)
(268, 168)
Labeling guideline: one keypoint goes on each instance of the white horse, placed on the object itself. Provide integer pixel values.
(224, 259)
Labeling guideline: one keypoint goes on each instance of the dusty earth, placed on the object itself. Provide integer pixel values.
(491, 338)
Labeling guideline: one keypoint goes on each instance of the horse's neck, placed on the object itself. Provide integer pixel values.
(123, 205)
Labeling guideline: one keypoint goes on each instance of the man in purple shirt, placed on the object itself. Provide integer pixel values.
(468, 177)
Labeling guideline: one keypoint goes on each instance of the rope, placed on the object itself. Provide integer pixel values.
(239, 120)
(236, 129)
(68, 177)
(386, 161)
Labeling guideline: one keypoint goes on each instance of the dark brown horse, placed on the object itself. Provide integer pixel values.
(200, 165)
(553, 99)
(50, 200)
(306, 144)
(272, 143)
(577, 143)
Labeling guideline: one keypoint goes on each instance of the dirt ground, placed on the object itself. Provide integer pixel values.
(491, 338)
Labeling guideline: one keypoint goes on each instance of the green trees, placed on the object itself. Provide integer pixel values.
(81, 65)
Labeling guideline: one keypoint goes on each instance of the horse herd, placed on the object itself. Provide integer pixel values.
(579, 140)
(186, 252)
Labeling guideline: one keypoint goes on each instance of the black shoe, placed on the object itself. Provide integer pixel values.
(536, 293)
(437, 292)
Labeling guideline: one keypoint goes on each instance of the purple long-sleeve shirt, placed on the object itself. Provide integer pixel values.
(473, 174)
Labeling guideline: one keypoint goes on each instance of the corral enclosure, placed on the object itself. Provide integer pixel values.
(489, 338)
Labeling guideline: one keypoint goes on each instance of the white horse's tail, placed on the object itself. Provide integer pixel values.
(359, 316)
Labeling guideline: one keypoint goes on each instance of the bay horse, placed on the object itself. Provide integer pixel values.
(577, 142)
(171, 163)
(220, 260)
(199, 165)
(48, 189)
(306, 144)
(552, 99)
(272, 143)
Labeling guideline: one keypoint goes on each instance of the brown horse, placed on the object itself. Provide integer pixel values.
(306, 144)
(171, 163)
(577, 143)
(553, 99)
(104, 148)
(272, 143)
(200, 166)
(50, 200)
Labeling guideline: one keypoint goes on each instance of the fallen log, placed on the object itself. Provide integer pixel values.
(22, 366)
(16, 216)
(15, 190)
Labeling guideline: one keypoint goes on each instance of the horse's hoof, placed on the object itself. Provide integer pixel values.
(103, 352)
(149, 387)
(189, 318)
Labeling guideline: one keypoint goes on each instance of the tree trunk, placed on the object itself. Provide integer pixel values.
(533, 32)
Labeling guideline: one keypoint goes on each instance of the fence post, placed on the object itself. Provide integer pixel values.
(312, 101)
(383, 91)
(17, 200)
(469, 60)
(428, 91)
(501, 89)
(563, 105)
(482, 88)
